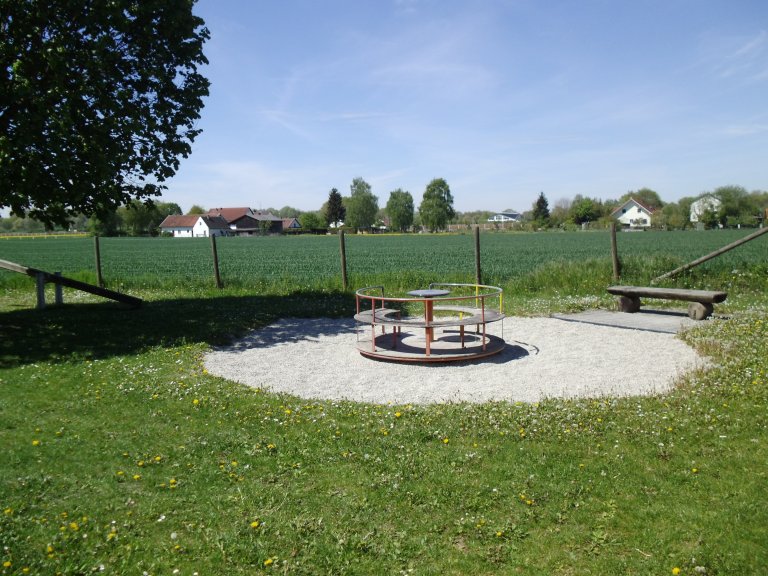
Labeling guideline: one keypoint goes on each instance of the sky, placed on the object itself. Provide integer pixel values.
(504, 99)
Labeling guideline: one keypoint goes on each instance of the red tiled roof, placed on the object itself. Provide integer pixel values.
(179, 221)
(230, 214)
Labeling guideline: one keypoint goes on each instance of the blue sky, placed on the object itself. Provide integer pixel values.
(502, 98)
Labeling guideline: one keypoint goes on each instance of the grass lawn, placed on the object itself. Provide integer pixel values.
(121, 455)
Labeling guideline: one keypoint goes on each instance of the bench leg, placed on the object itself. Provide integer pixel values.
(700, 310)
(629, 303)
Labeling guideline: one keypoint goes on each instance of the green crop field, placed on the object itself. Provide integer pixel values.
(312, 262)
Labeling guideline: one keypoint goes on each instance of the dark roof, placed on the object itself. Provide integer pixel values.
(215, 222)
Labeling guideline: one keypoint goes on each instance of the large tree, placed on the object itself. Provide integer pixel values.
(362, 205)
(585, 210)
(98, 101)
(334, 208)
(436, 208)
(541, 210)
(400, 210)
(647, 197)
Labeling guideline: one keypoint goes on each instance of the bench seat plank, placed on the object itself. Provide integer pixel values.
(703, 296)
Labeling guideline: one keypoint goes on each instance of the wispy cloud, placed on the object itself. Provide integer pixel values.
(747, 59)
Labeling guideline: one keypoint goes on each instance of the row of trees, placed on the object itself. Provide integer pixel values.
(360, 210)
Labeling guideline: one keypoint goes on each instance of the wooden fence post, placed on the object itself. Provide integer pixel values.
(40, 280)
(58, 291)
(99, 277)
(615, 254)
(343, 250)
(215, 261)
(478, 275)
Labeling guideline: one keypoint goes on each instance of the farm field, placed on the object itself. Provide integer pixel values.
(122, 455)
(516, 261)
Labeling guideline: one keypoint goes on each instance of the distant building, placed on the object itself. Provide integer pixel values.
(245, 221)
(194, 226)
(707, 203)
(506, 216)
(291, 224)
(633, 214)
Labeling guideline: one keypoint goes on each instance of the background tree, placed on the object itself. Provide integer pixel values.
(362, 205)
(540, 213)
(734, 207)
(106, 224)
(311, 221)
(559, 216)
(98, 102)
(197, 209)
(647, 197)
(585, 210)
(400, 210)
(334, 209)
(140, 219)
(436, 208)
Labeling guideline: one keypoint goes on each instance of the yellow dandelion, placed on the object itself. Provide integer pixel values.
(268, 562)
(445, 440)
(255, 524)
(675, 570)
(137, 476)
(398, 414)
(74, 526)
(35, 442)
(140, 463)
(158, 458)
(7, 564)
(195, 401)
(8, 511)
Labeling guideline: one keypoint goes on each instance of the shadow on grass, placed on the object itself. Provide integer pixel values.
(79, 331)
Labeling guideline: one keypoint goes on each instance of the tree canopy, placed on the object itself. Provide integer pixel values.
(334, 208)
(362, 205)
(541, 210)
(436, 208)
(647, 197)
(400, 210)
(98, 102)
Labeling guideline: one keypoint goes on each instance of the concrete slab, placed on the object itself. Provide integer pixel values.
(648, 319)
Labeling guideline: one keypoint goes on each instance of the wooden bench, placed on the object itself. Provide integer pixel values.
(701, 301)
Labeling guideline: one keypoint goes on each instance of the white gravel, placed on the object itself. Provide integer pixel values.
(544, 358)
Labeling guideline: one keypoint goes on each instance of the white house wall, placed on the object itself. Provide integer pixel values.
(632, 215)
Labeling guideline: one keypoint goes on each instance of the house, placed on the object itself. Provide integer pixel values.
(707, 203)
(194, 226)
(291, 224)
(506, 216)
(633, 214)
(244, 221)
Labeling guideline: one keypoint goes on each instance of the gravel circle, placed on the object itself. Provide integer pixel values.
(543, 358)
